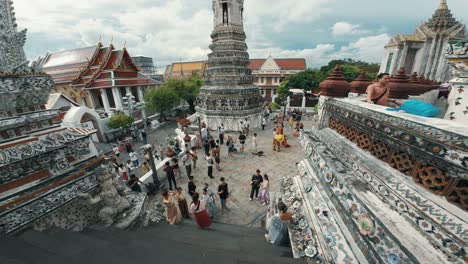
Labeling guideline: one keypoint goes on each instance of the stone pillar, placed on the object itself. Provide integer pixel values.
(91, 99)
(141, 96)
(105, 100)
(396, 62)
(303, 101)
(430, 58)
(117, 98)
(458, 99)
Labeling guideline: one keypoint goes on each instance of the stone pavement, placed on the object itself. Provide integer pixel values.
(239, 170)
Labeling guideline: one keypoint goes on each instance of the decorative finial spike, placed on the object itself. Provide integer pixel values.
(443, 5)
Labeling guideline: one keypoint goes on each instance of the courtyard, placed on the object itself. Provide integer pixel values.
(237, 171)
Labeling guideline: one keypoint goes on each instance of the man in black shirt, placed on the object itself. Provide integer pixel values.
(191, 186)
(257, 179)
(170, 175)
(242, 139)
(223, 193)
(133, 183)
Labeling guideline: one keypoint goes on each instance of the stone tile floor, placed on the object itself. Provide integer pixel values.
(237, 171)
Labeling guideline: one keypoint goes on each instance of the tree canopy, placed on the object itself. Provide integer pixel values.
(186, 89)
(310, 79)
(119, 121)
(161, 99)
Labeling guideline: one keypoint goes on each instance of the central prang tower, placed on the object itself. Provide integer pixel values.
(229, 96)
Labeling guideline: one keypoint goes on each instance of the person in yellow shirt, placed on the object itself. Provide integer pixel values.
(145, 168)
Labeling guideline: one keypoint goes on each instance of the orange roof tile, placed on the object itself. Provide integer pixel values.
(284, 64)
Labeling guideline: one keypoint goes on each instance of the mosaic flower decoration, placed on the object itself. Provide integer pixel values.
(330, 240)
(393, 258)
(311, 252)
(365, 224)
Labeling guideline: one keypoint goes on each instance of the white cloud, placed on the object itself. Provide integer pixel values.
(370, 48)
(169, 30)
(282, 14)
(345, 28)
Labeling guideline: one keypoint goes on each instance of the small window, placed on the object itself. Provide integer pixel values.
(389, 62)
(225, 14)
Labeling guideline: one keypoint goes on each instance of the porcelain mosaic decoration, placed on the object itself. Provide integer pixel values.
(43, 167)
(229, 96)
(371, 177)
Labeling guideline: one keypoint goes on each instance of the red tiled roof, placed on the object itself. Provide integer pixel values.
(291, 64)
(256, 64)
(284, 64)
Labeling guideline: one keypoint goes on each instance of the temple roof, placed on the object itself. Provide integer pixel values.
(109, 68)
(442, 18)
(284, 64)
(68, 57)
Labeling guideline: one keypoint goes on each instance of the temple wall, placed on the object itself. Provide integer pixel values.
(371, 177)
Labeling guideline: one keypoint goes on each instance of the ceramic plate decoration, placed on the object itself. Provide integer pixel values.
(303, 224)
(330, 239)
(293, 188)
(393, 258)
(311, 252)
(366, 225)
(296, 204)
(329, 176)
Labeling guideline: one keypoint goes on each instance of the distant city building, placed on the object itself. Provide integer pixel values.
(424, 51)
(97, 77)
(268, 73)
(147, 67)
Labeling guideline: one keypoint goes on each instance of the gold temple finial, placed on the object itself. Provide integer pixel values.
(112, 40)
(100, 38)
(125, 44)
(443, 5)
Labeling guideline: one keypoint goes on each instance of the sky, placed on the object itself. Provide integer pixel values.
(173, 30)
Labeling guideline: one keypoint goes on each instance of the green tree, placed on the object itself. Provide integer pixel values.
(120, 121)
(161, 99)
(186, 89)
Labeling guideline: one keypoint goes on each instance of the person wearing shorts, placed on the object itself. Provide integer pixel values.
(242, 139)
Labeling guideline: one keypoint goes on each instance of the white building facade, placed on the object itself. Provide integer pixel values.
(424, 51)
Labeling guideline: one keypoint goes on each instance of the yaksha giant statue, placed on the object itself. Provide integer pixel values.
(111, 196)
(229, 96)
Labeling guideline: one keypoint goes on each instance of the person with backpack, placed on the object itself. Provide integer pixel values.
(223, 193)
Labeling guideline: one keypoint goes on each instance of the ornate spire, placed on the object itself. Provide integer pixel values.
(12, 58)
(443, 5)
(442, 18)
